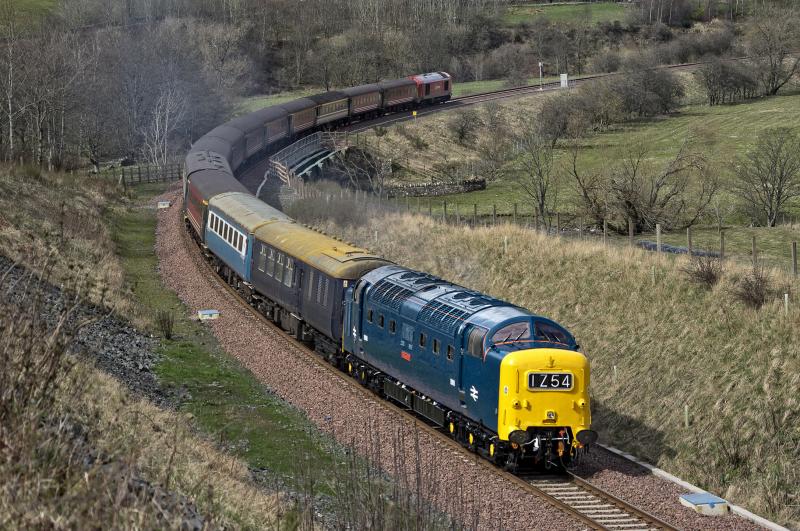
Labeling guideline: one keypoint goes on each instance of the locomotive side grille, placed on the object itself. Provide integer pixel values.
(391, 294)
(442, 316)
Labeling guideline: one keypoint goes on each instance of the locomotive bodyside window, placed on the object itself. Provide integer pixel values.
(408, 334)
(369, 316)
(422, 340)
(392, 326)
(446, 85)
(325, 295)
(380, 320)
(436, 346)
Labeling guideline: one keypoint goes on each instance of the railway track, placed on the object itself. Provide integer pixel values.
(598, 508)
(586, 503)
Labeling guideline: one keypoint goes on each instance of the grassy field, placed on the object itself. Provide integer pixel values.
(673, 344)
(568, 12)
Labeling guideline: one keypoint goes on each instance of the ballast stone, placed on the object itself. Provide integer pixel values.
(705, 504)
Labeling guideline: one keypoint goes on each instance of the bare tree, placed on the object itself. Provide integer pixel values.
(536, 174)
(165, 118)
(769, 176)
(774, 37)
(676, 195)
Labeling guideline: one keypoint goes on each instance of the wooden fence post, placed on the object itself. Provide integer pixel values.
(475, 214)
(755, 252)
(794, 258)
(430, 208)
(444, 211)
(139, 173)
(515, 213)
(630, 232)
(494, 214)
(722, 245)
(605, 232)
(689, 240)
(580, 227)
(558, 224)
(458, 216)
(536, 219)
(658, 237)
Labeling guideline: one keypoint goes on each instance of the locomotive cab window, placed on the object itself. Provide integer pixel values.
(428, 89)
(551, 333)
(511, 333)
(422, 340)
(475, 346)
(447, 85)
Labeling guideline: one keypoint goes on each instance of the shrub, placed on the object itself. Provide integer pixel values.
(165, 320)
(753, 289)
(704, 270)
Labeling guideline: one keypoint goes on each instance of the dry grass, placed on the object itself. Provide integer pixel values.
(60, 216)
(79, 452)
(673, 343)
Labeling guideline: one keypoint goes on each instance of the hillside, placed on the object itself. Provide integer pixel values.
(657, 343)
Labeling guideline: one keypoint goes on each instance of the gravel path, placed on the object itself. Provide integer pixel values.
(451, 480)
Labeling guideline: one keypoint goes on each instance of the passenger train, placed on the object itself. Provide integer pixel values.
(506, 383)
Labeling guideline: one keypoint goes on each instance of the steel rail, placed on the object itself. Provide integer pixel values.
(419, 423)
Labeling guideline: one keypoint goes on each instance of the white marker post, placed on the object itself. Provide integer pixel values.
(541, 76)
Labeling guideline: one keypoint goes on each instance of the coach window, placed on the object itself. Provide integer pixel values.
(279, 267)
(325, 293)
(392, 326)
(288, 272)
(450, 352)
(422, 339)
(436, 346)
(310, 293)
(262, 259)
(380, 320)
(271, 262)
(369, 316)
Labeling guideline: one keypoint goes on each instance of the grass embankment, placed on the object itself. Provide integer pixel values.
(56, 225)
(567, 12)
(224, 398)
(673, 343)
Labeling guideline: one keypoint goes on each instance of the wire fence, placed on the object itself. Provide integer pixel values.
(145, 173)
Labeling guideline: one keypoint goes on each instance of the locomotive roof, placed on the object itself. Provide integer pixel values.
(206, 160)
(300, 104)
(334, 258)
(328, 97)
(362, 89)
(247, 210)
(212, 182)
(443, 305)
(394, 83)
(432, 77)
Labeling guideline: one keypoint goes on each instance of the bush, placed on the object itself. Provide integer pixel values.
(704, 270)
(165, 320)
(754, 288)
(464, 126)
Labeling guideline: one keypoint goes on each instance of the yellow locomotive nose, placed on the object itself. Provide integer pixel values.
(543, 388)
